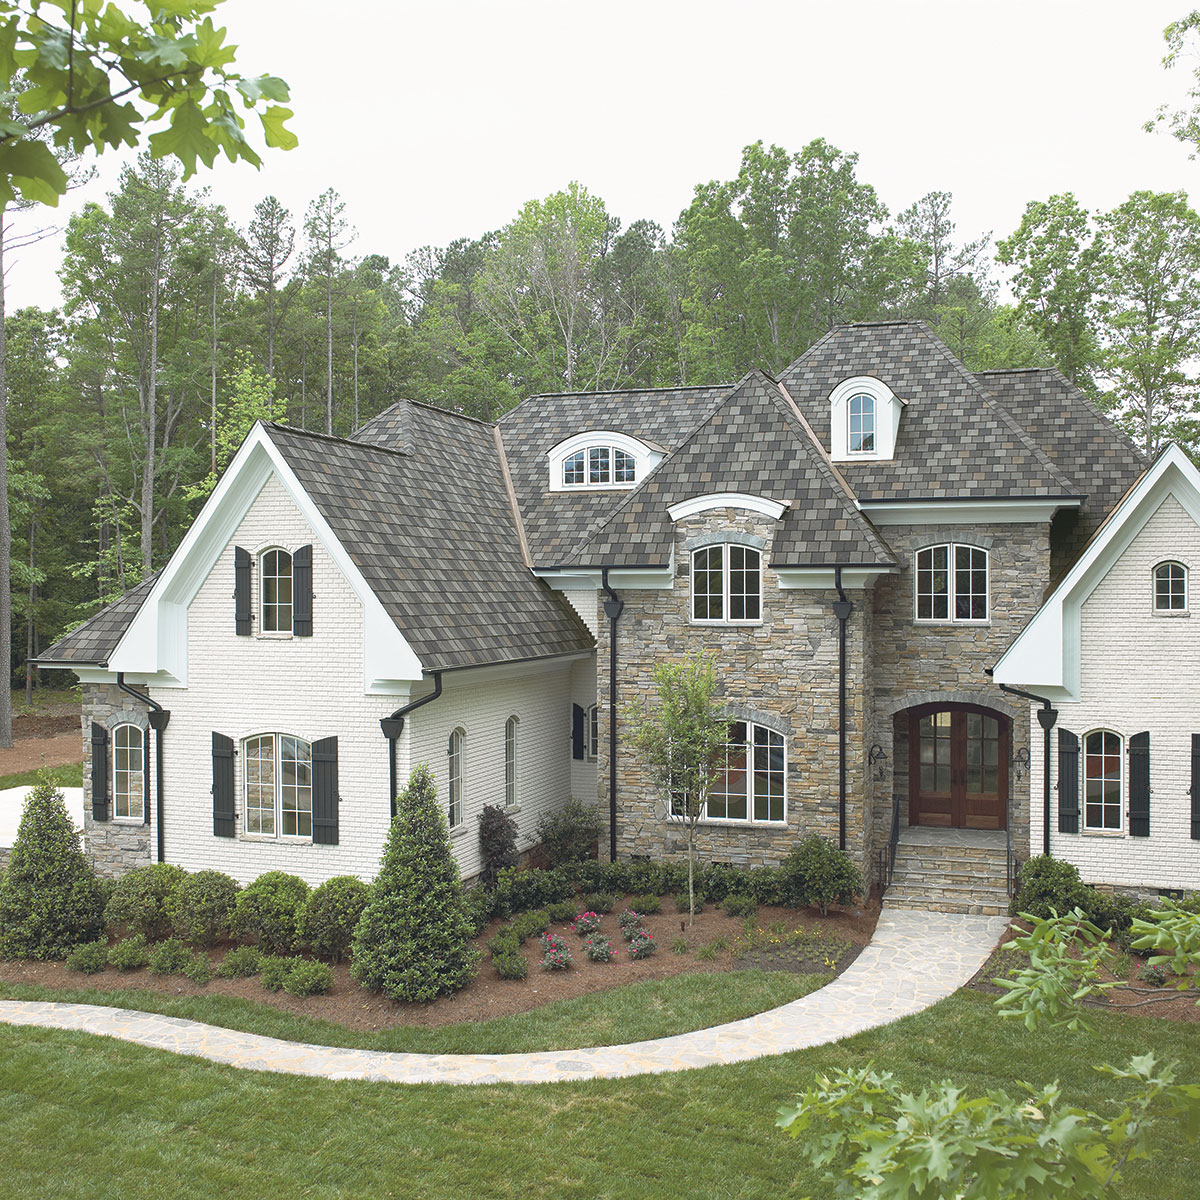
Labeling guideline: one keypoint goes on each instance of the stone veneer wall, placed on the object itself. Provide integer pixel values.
(783, 672)
(922, 664)
(113, 847)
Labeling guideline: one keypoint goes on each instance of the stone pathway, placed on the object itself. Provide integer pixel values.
(914, 960)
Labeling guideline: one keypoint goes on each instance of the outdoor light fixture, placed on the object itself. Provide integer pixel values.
(1020, 761)
(878, 755)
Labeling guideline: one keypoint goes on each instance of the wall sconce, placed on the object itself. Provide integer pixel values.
(877, 762)
(1020, 764)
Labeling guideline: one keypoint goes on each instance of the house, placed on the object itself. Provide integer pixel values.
(855, 543)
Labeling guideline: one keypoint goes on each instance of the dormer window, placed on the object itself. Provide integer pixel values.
(862, 424)
(864, 420)
(600, 459)
(599, 466)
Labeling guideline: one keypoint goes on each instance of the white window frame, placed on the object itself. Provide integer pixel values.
(726, 572)
(454, 778)
(279, 789)
(138, 745)
(874, 423)
(512, 730)
(748, 746)
(951, 617)
(277, 606)
(644, 457)
(888, 407)
(1122, 797)
(591, 733)
(1154, 605)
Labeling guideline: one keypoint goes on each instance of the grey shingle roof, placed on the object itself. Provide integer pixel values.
(433, 534)
(954, 440)
(556, 522)
(753, 442)
(91, 643)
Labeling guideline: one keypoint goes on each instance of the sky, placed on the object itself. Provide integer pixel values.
(440, 120)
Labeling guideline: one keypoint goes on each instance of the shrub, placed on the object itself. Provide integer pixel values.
(585, 923)
(681, 902)
(504, 941)
(517, 891)
(556, 954)
(1046, 883)
(599, 949)
(642, 944)
(645, 904)
(765, 884)
(530, 924)
(597, 902)
(199, 969)
(330, 915)
(497, 843)
(204, 907)
(271, 910)
(130, 953)
(50, 898)
(569, 834)
(479, 904)
(143, 900)
(510, 966)
(823, 874)
(680, 945)
(308, 977)
(169, 957)
(562, 910)
(738, 904)
(413, 941)
(240, 963)
(89, 957)
(273, 971)
(715, 881)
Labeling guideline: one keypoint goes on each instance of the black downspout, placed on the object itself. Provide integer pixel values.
(158, 718)
(393, 726)
(612, 610)
(842, 608)
(1047, 717)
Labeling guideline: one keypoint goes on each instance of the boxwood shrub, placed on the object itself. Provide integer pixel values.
(130, 953)
(89, 957)
(204, 907)
(308, 978)
(144, 900)
(169, 957)
(271, 910)
(331, 915)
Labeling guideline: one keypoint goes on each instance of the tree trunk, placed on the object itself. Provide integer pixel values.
(329, 339)
(213, 365)
(5, 531)
(691, 873)
(150, 414)
(29, 615)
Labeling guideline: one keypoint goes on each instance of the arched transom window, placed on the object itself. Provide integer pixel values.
(1170, 588)
(952, 583)
(599, 466)
(752, 783)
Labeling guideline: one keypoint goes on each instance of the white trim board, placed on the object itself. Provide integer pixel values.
(706, 503)
(1030, 510)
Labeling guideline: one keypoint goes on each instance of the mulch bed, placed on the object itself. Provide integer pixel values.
(488, 996)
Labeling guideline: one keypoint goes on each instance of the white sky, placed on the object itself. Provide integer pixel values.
(437, 121)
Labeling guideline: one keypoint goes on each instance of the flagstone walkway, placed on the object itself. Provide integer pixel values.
(914, 960)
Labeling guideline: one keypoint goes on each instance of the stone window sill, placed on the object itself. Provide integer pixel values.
(1103, 833)
(718, 823)
(461, 828)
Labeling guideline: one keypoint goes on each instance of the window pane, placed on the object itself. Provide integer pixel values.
(745, 584)
(295, 787)
(277, 591)
(128, 777)
(623, 467)
(707, 600)
(933, 583)
(510, 762)
(970, 583)
(862, 424)
(768, 775)
(598, 465)
(1103, 780)
(455, 778)
(573, 468)
(260, 785)
(1170, 587)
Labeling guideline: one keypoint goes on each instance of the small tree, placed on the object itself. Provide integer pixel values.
(413, 941)
(50, 898)
(497, 843)
(682, 741)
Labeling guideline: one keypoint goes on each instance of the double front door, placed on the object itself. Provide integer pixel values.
(958, 766)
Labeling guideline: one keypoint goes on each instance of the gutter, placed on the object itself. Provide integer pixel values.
(158, 718)
(393, 726)
(612, 610)
(1047, 717)
(842, 608)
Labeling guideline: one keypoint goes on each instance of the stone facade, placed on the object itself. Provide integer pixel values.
(782, 673)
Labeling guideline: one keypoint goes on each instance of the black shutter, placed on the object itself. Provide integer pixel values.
(222, 789)
(1195, 793)
(578, 719)
(302, 592)
(325, 792)
(241, 591)
(99, 772)
(146, 776)
(1139, 785)
(1068, 782)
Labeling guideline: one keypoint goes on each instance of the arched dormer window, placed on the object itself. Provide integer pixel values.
(864, 420)
(276, 576)
(1170, 588)
(600, 459)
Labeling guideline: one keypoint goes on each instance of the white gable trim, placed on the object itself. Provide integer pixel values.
(1047, 652)
(700, 504)
(156, 642)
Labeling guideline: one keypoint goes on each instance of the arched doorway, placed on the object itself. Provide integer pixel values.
(958, 766)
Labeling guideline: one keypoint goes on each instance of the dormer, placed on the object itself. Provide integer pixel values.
(601, 459)
(864, 419)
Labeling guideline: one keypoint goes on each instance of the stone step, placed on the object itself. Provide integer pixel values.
(901, 891)
(982, 908)
(913, 871)
(922, 854)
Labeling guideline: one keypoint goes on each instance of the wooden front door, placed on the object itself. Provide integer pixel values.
(957, 766)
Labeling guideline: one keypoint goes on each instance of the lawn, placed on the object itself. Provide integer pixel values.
(649, 1009)
(70, 775)
(85, 1119)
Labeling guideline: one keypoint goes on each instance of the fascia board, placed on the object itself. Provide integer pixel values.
(636, 578)
(825, 577)
(964, 512)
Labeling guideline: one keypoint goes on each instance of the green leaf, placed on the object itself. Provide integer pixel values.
(31, 168)
(187, 139)
(269, 87)
(278, 136)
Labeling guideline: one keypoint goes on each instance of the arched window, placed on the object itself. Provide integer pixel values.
(751, 785)
(952, 583)
(1102, 780)
(129, 773)
(511, 727)
(599, 466)
(454, 775)
(862, 424)
(276, 576)
(278, 779)
(592, 741)
(726, 585)
(1170, 588)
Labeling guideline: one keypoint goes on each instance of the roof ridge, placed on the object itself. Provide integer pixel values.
(449, 412)
(333, 437)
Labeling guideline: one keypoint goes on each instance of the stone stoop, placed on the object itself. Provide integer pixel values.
(936, 872)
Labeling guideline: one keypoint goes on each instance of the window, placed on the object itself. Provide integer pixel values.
(1170, 587)
(752, 785)
(454, 755)
(952, 583)
(129, 773)
(727, 584)
(276, 592)
(1102, 780)
(592, 733)
(862, 424)
(510, 762)
(278, 776)
(599, 466)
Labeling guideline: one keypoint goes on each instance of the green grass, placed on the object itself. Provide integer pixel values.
(70, 775)
(649, 1009)
(92, 1119)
